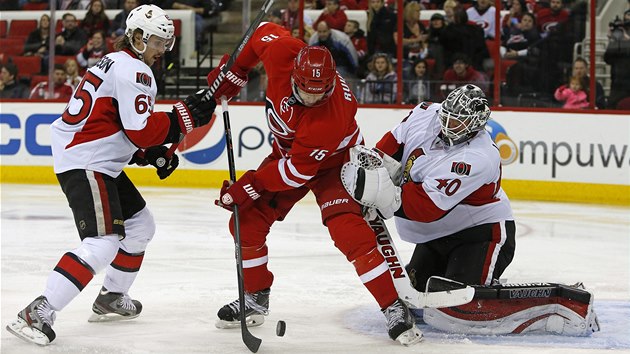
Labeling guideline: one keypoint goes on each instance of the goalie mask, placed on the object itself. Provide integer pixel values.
(313, 76)
(464, 112)
(157, 28)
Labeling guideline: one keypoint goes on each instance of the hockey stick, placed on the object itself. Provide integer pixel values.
(454, 293)
(228, 65)
(252, 342)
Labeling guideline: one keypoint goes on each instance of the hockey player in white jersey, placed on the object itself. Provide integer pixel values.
(442, 182)
(108, 123)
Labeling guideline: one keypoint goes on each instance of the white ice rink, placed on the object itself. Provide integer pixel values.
(189, 273)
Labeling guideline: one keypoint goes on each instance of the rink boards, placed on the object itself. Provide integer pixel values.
(559, 156)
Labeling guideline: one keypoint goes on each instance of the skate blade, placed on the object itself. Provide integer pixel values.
(410, 337)
(20, 329)
(110, 317)
(252, 321)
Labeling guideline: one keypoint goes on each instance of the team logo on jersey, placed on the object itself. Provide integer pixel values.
(277, 126)
(410, 161)
(143, 79)
(286, 105)
(507, 147)
(461, 168)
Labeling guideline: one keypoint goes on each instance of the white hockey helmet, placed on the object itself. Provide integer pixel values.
(152, 20)
(464, 112)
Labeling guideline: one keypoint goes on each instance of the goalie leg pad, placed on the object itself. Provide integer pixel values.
(520, 308)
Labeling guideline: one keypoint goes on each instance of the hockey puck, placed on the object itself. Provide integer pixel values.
(281, 327)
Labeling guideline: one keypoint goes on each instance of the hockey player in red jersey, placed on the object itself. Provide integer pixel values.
(108, 123)
(447, 199)
(310, 111)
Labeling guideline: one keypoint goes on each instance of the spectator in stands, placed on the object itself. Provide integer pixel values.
(417, 83)
(449, 10)
(275, 16)
(520, 38)
(463, 37)
(436, 25)
(483, 15)
(9, 86)
(580, 70)
(61, 91)
(72, 71)
(381, 23)
(95, 18)
(37, 41)
(513, 19)
(93, 51)
(341, 48)
(290, 16)
(354, 4)
(119, 23)
(462, 73)
(307, 33)
(414, 32)
(380, 85)
(436, 50)
(203, 9)
(332, 15)
(357, 36)
(573, 95)
(71, 38)
(617, 55)
(74, 4)
(549, 18)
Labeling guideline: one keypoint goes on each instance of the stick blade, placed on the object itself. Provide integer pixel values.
(252, 343)
(447, 298)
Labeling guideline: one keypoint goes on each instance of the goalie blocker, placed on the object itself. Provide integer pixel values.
(520, 308)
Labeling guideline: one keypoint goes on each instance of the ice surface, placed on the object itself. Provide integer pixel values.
(189, 273)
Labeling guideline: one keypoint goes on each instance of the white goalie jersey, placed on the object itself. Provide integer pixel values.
(445, 189)
(109, 117)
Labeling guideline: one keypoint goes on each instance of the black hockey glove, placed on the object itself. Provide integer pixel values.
(156, 157)
(190, 113)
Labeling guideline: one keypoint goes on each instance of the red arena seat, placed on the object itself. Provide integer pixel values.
(12, 46)
(28, 66)
(4, 25)
(21, 28)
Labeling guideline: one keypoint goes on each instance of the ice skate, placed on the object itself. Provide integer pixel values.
(34, 323)
(256, 308)
(400, 324)
(110, 306)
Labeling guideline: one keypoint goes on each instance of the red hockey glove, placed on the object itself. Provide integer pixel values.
(231, 84)
(242, 193)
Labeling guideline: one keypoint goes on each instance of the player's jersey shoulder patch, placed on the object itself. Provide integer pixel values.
(425, 105)
(143, 79)
(461, 168)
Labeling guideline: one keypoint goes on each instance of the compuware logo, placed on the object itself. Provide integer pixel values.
(507, 148)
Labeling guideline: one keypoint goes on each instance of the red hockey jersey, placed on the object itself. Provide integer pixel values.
(306, 139)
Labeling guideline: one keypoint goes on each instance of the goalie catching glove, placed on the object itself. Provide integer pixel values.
(190, 113)
(156, 157)
(242, 192)
(372, 177)
(229, 85)
(372, 188)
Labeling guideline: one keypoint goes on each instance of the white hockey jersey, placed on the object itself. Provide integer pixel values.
(109, 117)
(445, 189)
